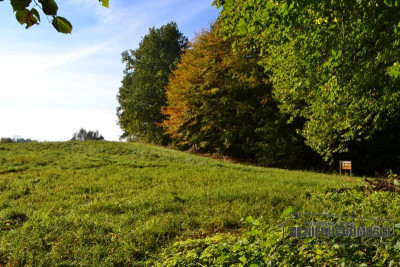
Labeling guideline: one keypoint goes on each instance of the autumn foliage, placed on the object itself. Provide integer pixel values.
(219, 101)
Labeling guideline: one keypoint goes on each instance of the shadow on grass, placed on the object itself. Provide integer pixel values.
(128, 165)
(14, 170)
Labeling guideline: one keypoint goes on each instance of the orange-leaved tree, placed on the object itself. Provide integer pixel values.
(219, 101)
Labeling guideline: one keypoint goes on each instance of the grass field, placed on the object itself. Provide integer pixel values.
(90, 203)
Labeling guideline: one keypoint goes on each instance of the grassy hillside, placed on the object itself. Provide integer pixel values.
(109, 203)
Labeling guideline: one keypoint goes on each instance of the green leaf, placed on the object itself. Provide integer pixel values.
(249, 219)
(26, 17)
(236, 247)
(49, 7)
(222, 258)
(396, 182)
(62, 25)
(256, 222)
(397, 246)
(19, 5)
(243, 259)
(36, 13)
(22, 15)
(242, 27)
(286, 212)
(394, 71)
(105, 3)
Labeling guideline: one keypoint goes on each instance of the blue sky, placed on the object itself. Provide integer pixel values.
(52, 84)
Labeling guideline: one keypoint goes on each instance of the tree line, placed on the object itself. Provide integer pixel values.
(280, 83)
(81, 135)
(7, 140)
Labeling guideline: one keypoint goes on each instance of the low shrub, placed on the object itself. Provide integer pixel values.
(263, 245)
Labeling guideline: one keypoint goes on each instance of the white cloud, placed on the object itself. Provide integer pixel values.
(37, 62)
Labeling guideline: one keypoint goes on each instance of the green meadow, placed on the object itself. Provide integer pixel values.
(109, 203)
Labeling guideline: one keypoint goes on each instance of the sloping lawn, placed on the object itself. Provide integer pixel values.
(109, 203)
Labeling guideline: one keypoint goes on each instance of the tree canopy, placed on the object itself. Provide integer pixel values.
(27, 13)
(333, 63)
(143, 86)
(83, 135)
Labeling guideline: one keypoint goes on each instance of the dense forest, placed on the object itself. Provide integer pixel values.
(277, 83)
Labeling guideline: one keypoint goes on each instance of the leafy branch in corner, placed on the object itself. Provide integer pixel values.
(30, 15)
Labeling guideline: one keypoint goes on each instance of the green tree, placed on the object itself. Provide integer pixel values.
(143, 86)
(333, 63)
(26, 12)
(220, 101)
(83, 135)
(5, 140)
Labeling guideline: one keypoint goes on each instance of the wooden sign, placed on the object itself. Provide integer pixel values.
(345, 166)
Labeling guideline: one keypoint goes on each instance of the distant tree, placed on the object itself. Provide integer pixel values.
(143, 86)
(83, 135)
(15, 139)
(22, 140)
(27, 13)
(5, 140)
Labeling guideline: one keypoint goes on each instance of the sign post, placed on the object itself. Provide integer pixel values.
(345, 166)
